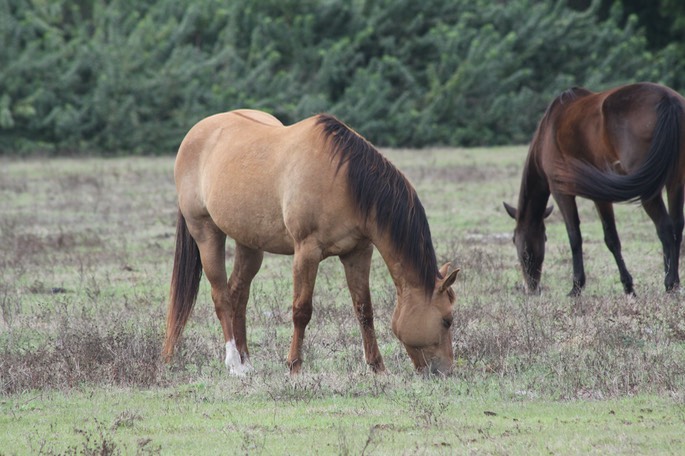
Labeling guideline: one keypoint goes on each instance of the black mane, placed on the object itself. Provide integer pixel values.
(380, 189)
(565, 97)
(534, 188)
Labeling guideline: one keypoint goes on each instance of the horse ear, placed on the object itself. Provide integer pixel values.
(444, 268)
(548, 210)
(510, 210)
(449, 280)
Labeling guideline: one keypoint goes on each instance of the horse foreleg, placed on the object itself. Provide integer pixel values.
(357, 268)
(305, 266)
(245, 266)
(613, 243)
(666, 231)
(569, 210)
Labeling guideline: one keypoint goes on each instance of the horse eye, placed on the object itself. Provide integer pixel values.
(447, 322)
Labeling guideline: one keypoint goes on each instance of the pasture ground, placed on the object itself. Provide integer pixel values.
(86, 247)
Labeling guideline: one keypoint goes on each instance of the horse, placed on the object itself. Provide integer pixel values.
(313, 189)
(620, 145)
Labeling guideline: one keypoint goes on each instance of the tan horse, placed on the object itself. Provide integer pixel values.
(313, 189)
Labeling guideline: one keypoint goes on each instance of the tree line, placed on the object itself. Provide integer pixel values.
(132, 76)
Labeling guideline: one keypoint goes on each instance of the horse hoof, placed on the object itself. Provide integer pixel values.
(234, 362)
(574, 293)
(295, 367)
(242, 370)
(377, 367)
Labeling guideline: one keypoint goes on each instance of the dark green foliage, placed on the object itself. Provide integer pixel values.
(132, 77)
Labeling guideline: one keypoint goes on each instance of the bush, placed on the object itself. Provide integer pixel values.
(132, 77)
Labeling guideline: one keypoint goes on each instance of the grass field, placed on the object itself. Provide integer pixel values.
(86, 249)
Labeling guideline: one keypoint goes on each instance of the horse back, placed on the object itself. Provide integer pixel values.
(610, 130)
(264, 184)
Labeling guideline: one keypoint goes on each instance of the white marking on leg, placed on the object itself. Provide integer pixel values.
(233, 362)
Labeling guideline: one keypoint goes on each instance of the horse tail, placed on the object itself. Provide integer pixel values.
(185, 283)
(650, 178)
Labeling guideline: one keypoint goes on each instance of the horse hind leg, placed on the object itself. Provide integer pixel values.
(666, 231)
(357, 268)
(613, 243)
(676, 197)
(211, 242)
(246, 264)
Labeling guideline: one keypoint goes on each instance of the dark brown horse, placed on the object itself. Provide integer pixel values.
(313, 189)
(624, 144)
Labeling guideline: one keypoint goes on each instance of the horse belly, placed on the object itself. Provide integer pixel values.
(258, 228)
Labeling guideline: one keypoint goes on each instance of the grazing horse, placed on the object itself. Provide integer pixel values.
(313, 189)
(624, 144)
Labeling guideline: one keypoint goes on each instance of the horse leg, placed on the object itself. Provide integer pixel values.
(357, 268)
(211, 242)
(676, 198)
(613, 243)
(305, 266)
(569, 210)
(245, 266)
(665, 229)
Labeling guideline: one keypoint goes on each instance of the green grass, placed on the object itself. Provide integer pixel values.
(218, 418)
(85, 262)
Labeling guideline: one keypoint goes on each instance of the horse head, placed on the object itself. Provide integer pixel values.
(423, 324)
(529, 239)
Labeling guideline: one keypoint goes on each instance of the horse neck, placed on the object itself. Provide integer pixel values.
(534, 191)
(404, 275)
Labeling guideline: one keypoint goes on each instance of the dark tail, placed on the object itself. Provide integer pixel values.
(648, 180)
(185, 283)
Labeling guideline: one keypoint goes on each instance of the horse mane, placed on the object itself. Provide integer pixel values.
(378, 188)
(533, 176)
(570, 94)
(565, 97)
